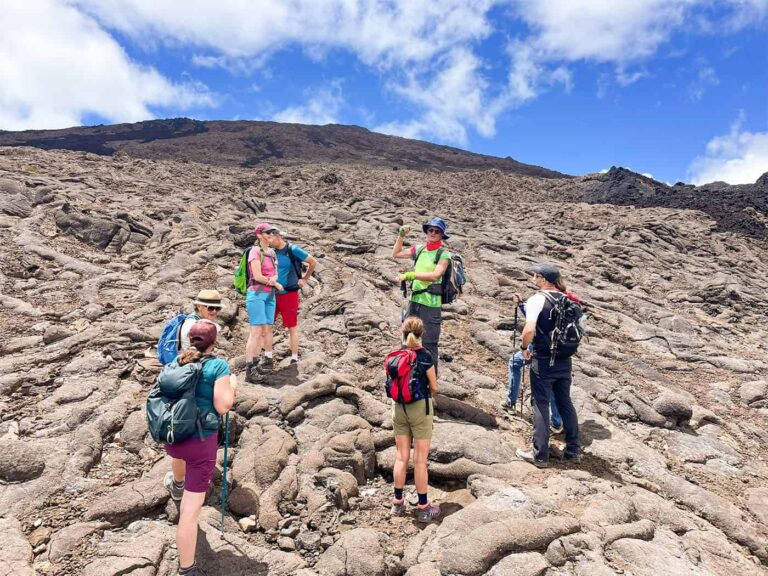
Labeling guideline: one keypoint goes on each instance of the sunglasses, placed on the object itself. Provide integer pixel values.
(213, 308)
(434, 231)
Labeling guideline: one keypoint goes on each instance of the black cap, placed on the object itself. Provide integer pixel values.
(550, 272)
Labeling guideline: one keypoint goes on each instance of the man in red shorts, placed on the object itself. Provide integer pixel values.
(289, 273)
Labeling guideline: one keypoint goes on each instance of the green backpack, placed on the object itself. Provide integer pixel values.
(242, 272)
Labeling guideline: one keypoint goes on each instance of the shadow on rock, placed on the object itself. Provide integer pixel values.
(217, 557)
(590, 430)
(288, 376)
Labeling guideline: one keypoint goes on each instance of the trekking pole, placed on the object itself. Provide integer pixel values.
(514, 334)
(522, 390)
(224, 482)
(404, 289)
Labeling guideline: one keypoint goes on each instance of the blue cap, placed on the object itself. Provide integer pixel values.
(436, 223)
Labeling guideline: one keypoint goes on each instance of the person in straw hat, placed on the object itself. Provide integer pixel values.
(207, 307)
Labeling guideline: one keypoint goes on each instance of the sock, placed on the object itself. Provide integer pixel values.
(267, 354)
(188, 568)
(423, 500)
(294, 356)
(178, 485)
(399, 494)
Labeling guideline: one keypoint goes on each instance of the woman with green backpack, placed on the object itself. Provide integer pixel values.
(193, 460)
(260, 302)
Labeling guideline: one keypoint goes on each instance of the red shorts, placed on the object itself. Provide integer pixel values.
(288, 307)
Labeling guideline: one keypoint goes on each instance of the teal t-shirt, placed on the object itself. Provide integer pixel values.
(426, 263)
(213, 369)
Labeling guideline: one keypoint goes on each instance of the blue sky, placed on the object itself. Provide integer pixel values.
(673, 88)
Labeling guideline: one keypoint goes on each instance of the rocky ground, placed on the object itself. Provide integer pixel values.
(671, 390)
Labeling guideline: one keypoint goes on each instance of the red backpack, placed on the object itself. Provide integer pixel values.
(405, 381)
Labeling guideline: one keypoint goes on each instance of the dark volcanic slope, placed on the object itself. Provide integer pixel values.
(246, 144)
(741, 208)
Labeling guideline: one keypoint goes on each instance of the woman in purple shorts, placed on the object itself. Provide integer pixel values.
(193, 461)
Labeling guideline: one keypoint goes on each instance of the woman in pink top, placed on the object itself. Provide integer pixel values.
(260, 303)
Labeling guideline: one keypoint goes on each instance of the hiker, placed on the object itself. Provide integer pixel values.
(260, 303)
(207, 307)
(549, 375)
(289, 274)
(428, 268)
(514, 375)
(193, 460)
(414, 421)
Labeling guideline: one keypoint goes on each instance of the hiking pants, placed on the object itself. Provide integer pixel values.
(432, 318)
(554, 380)
(514, 376)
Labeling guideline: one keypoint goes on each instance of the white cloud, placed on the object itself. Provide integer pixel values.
(57, 65)
(422, 48)
(380, 32)
(705, 78)
(424, 51)
(739, 157)
(322, 107)
(450, 99)
(564, 31)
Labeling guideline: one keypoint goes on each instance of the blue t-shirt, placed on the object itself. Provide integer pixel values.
(213, 369)
(286, 272)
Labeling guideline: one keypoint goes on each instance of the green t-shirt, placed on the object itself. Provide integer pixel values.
(426, 263)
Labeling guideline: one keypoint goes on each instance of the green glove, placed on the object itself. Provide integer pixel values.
(409, 276)
(403, 231)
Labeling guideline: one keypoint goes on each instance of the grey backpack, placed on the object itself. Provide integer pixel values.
(172, 412)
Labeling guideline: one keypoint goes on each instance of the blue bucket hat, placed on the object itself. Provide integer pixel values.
(436, 223)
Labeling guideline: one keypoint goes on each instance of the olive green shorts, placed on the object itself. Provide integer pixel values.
(412, 420)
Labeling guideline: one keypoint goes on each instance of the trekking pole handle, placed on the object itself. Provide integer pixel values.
(404, 288)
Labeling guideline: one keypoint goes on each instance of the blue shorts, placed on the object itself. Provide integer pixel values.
(261, 307)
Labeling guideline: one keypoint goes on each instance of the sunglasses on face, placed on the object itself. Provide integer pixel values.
(213, 309)
(434, 231)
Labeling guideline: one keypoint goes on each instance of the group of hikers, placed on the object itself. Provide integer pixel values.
(271, 275)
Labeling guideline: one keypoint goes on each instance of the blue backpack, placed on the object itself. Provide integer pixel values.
(170, 340)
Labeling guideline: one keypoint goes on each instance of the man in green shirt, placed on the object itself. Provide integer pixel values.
(430, 263)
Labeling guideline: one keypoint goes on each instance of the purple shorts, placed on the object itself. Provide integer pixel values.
(200, 458)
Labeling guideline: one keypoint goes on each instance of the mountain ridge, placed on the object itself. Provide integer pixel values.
(250, 143)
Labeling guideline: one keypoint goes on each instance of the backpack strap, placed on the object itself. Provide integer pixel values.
(416, 259)
(295, 262)
(262, 254)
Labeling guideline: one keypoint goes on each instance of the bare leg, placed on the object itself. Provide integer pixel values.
(253, 346)
(266, 335)
(402, 456)
(186, 531)
(293, 339)
(179, 468)
(420, 454)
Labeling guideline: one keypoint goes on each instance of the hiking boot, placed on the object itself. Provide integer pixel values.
(266, 364)
(398, 509)
(194, 571)
(530, 458)
(170, 485)
(572, 458)
(556, 429)
(294, 360)
(252, 373)
(429, 513)
(507, 406)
